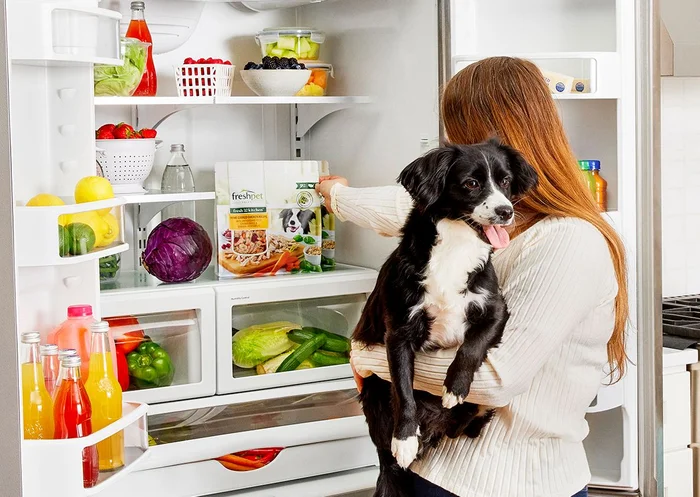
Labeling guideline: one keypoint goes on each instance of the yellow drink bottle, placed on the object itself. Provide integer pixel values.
(105, 397)
(37, 406)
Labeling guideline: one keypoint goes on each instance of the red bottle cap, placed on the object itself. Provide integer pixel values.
(79, 311)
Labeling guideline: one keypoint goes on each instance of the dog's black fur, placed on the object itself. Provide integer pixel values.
(441, 184)
(299, 219)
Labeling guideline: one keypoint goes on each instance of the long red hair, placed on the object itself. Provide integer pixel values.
(508, 97)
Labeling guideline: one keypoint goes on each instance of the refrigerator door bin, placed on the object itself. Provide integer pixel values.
(182, 324)
(63, 32)
(271, 307)
(50, 465)
(41, 242)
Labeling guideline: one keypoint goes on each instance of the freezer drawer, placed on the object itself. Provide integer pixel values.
(678, 473)
(677, 421)
(257, 318)
(293, 463)
(182, 324)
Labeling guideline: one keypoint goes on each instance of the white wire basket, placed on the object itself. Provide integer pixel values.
(204, 80)
(127, 163)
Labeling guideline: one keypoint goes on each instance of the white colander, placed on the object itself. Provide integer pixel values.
(127, 163)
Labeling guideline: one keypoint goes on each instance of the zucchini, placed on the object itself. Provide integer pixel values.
(321, 359)
(334, 342)
(302, 353)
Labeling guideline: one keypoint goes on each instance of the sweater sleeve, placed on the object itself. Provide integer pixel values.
(383, 209)
(550, 287)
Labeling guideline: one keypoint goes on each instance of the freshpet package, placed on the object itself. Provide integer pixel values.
(328, 230)
(268, 218)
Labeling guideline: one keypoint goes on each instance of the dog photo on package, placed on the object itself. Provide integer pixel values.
(268, 218)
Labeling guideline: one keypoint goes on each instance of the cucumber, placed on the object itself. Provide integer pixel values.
(319, 358)
(302, 353)
(334, 343)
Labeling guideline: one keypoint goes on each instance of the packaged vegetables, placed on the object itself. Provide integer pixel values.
(285, 346)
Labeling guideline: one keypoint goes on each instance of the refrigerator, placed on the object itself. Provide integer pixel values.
(390, 58)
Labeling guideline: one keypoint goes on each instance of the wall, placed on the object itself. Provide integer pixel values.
(680, 175)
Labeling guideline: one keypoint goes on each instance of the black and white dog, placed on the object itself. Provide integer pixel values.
(438, 289)
(296, 221)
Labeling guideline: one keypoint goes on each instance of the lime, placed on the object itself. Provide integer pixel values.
(96, 222)
(81, 238)
(63, 245)
(92, 189)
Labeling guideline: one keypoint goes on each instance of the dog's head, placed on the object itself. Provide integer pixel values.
(474, 183)
(296, 220)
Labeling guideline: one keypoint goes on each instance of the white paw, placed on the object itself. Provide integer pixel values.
(405, 451)
(449, 400)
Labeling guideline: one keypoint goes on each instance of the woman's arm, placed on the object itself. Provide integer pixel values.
(551, 286)
(383, 209)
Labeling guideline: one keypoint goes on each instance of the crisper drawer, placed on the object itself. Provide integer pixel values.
(256, 319)
(292, 464)
(181, 325)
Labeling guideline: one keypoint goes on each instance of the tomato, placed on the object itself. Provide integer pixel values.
(125, 342)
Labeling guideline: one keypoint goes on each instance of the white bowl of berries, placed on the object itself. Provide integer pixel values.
(275, 77)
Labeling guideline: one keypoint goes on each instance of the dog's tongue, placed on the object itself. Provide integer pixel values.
(498, 237)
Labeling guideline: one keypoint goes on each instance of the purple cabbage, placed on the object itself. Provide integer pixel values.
(177, 250)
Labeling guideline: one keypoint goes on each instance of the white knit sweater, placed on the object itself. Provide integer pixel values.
(559, 283)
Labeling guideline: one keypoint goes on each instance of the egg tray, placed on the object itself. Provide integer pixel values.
(681, 316)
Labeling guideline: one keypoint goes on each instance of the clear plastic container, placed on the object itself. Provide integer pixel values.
(122, 81)
(300, 43)
(317, 86)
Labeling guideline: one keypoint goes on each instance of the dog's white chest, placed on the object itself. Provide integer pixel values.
(458, 252)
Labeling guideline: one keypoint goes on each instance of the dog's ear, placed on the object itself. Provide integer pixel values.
(524, 175)
(283, 213)
(306, 216)
(425, 177)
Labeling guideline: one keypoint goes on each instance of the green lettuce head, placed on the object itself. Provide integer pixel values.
(254, 345)
(122, 81)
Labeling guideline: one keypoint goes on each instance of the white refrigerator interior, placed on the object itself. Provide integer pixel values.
(381, 113)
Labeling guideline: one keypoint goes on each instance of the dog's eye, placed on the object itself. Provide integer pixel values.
(505, 182)
(471, 184)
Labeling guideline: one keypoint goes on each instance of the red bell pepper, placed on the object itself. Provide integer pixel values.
(122, 371)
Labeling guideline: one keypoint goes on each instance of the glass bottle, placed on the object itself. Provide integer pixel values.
(62, 354)
(36, 401)
(139, 29)
(601, 186)
(177, 178)
(106, 398)
(50, 366)
(72, 414)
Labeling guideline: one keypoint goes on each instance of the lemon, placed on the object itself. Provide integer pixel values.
(48, 200)
(92, 189)
(112, 230)
(99, 226)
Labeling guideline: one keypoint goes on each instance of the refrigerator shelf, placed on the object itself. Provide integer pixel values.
(236, 100)
(63, 33)
(37, 237)
(57, 464)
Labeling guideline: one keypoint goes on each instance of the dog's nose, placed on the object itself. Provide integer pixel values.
(504, 212)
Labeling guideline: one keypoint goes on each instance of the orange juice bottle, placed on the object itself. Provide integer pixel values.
(601, 186)
(105, 397)
(36, 401)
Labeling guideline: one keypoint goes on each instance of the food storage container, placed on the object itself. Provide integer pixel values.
(204, 80)
(299, 43)
(317, 85)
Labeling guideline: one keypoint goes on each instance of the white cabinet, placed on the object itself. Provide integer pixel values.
(678, 473)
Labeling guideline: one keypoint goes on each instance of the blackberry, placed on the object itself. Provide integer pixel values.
(284, 63)
(275, 59)
(274, 65)
(267, 58)
(293, 61)
(296, 66)
(302, 66)
(250, 65)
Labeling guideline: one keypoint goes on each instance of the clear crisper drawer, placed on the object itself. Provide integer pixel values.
(288, 333)
(167, 341)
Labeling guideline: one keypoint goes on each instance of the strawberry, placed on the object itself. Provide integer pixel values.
(148, 133)
(227, 62)
(190, 60)
(209, 60)
(123, 131)
(201, 61)
(104, 134)
(106, 127)
(217, 61)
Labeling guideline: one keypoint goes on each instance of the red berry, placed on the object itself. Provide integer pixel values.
(201, 61)
(209, 60)
(227, 62)
(218, 61)
(189, 60)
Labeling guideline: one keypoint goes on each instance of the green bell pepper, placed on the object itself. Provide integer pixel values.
(150, 366)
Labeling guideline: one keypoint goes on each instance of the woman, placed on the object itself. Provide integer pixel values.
(563, 277)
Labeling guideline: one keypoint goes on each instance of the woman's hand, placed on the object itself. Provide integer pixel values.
(358, 379)
(324, 186)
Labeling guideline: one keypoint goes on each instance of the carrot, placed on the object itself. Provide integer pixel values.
(281, 262)
(241, 461)
(234, 467)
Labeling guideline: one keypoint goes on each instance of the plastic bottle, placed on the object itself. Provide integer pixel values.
(72, 415)
(36, 401)
(50, 366)
(74, 333)
(139, 29)
(177, 178)
(585, 167)
(106, 396)
(601, 186)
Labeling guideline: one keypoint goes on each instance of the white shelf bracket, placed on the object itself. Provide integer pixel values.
(309, 115)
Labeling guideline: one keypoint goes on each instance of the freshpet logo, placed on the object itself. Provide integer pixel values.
(246, 195)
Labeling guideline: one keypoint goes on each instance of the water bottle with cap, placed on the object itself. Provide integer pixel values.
(178, 178)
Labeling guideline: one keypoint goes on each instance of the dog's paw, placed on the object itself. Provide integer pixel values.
(449, 399)
(405, 451)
